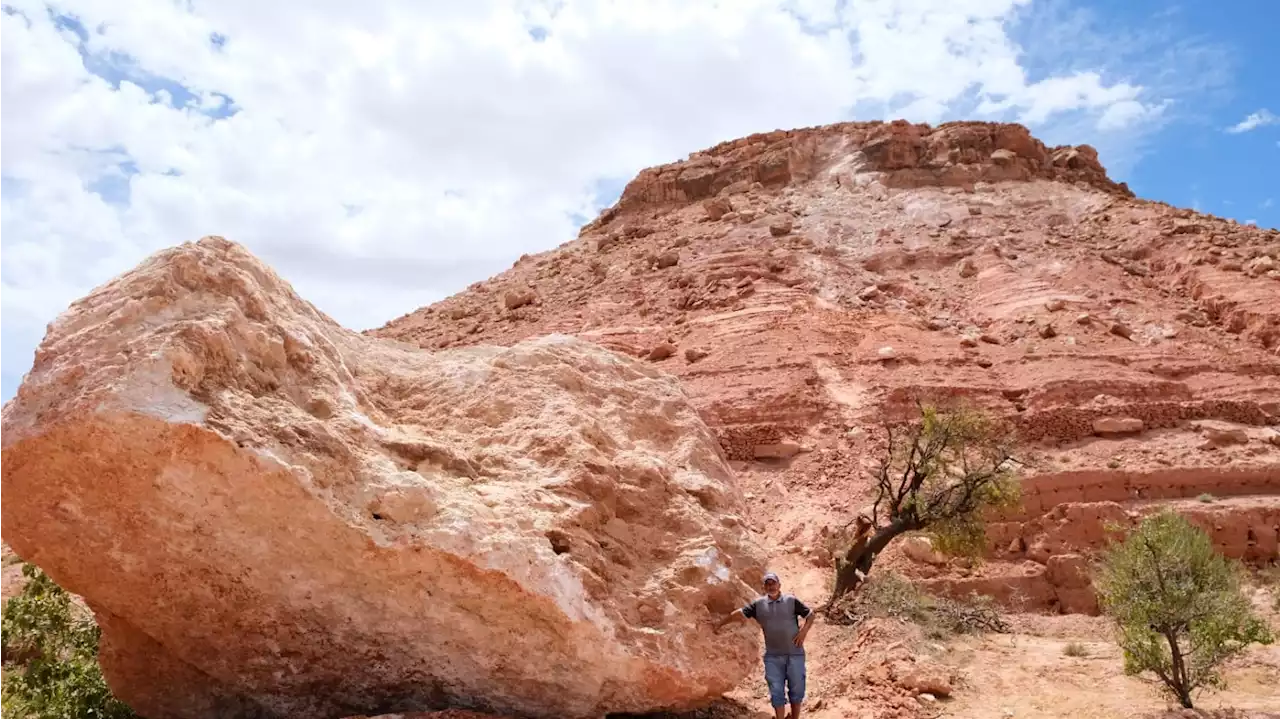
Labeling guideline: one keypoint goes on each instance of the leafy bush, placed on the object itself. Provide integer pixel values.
(889, 595)
(50, 649)
(1177, 605)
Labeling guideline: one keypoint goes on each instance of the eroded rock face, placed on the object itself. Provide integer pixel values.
(272, 516)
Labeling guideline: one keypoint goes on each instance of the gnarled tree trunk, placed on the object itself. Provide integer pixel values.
(862, 554)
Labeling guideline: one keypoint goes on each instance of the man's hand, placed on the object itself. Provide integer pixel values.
(718, 624)
(800, 635)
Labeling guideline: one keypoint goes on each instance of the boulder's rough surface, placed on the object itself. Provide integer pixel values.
(272, 516)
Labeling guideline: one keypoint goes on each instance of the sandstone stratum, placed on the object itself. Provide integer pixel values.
(272, 516)
(530, 497)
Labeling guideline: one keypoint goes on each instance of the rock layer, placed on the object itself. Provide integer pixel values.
(275, 517)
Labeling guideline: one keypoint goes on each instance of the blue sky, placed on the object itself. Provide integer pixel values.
(383, 155)
(1194, 163)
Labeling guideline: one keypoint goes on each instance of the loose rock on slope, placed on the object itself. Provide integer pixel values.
(272, 516)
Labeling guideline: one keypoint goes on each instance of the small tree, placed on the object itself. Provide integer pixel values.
(938, 473)
(51, 656)
(1177, 605)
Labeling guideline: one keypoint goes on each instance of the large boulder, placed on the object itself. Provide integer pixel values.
(273, 516)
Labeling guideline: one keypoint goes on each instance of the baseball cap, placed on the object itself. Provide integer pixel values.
(770, 575)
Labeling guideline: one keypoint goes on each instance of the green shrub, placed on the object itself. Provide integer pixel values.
(50, 649)
(1177, 605)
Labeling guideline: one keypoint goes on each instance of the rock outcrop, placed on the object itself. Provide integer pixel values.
(272, 516)
(963, 262)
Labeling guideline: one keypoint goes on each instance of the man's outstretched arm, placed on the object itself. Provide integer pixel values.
(734, 616)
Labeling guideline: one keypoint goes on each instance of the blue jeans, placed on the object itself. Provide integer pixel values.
(788, 669)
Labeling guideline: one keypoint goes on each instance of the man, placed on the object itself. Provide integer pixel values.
(777, 613)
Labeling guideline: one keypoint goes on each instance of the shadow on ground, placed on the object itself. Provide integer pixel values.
(723, 709)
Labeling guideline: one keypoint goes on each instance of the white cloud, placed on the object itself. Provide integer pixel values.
(382, 155)
(1255, 120)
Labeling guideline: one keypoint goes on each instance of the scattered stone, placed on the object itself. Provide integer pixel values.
(968, 341)
(975, 210)
(636, 231)
(920, 549)
(1055, 305)
(518, 298)
(667, 259)
(967, 268)
(1107, 426)
(717, 207)
(989, 338)
(693, 354)
(887, 353)
(1219, 437)
(780, 226)
(927, 680)
(1259, 266)
(936, 324)
(603, 244)
(1120, 329)
(1004, 157)
(1047, 331)
(662, 351)
(1084, 318)
(983, 362)
(869, 292)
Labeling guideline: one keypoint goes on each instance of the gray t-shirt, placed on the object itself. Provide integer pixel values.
(778, 619)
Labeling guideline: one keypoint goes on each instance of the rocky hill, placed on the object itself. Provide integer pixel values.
(805, 285)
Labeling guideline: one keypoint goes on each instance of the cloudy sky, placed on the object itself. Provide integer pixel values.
(384, 154)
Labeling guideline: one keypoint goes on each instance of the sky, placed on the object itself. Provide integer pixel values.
(382, 155)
